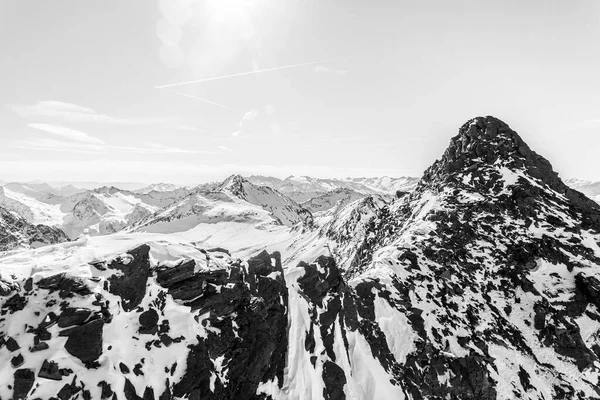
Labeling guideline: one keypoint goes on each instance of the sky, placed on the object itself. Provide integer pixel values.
(189, 91)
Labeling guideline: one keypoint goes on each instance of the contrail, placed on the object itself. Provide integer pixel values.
(251, 72)
(198, 98)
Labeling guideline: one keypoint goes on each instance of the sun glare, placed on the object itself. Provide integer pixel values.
(224, 9)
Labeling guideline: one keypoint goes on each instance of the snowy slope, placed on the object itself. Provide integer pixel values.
(33, 210)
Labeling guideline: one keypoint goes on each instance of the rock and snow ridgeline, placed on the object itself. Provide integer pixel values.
(482, 283)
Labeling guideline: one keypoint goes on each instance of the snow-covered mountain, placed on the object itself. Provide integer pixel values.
(160, 187)
(304, 188)
(482, 283)
(234, 200)
(103, 211)
(281, 207)
(17, 233)
(100, 211)
(331, 199)
(43, 190)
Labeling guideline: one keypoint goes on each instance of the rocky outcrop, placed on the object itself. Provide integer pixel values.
(250, 313)
(239, 342)
(130, 283)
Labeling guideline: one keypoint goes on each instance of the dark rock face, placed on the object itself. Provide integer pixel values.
(17, 361)
(23, 382)
(50, 370)
(131, 285)
(148, 318)
(169, 276)
(252, 320)
(85, 342)
(12, 345)
(66, 286)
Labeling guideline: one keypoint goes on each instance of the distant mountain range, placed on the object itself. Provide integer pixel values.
(109, 209)
(304, 188)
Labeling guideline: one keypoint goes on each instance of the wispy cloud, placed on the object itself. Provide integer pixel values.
(67, 133)
(253, 72)
(68, 112)
(250, 115)
(159, 148)
(327, 70)
(46, 144)
(225, 148)
(246, 118)
(190, 128)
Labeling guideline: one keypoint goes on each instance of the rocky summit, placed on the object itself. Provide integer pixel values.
(481, 283)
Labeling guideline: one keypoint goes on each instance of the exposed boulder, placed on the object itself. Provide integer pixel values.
(85, 342)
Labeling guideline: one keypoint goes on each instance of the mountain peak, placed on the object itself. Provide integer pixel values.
(485, 142)
(235, 185)
(489, 155)
(482, 140)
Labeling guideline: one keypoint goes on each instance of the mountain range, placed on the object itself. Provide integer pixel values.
(480, 280)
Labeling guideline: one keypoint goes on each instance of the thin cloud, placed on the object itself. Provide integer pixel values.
(324, 69)
(46, 144)
(260, 71)
(68, 112)
(190, 128)
(58, 145)
(247, 118)
(250, 115)
(159, 148)
(67, 133)
(225, 148)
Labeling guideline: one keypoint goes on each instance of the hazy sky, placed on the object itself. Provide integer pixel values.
(78, 96)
